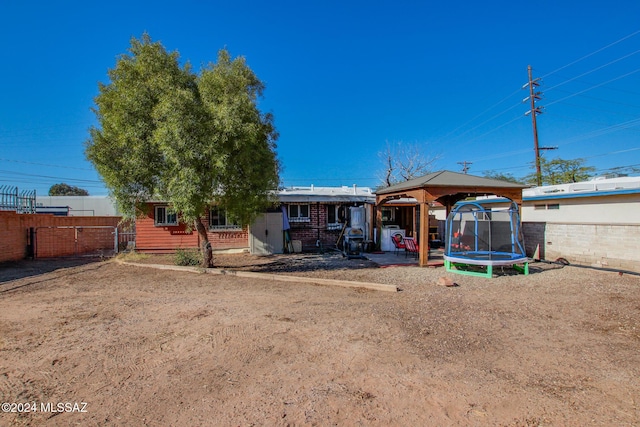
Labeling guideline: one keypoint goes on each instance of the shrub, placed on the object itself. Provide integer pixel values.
(187, 257)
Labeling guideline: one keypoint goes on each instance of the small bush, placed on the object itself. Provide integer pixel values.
(188, 257)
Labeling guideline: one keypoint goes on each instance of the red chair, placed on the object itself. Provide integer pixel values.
(398, 242)
(411, 247)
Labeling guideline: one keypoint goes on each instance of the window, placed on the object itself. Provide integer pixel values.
(332, 214)
(333, 221)
(164, 215)
(549, 206)
(299, 213)
(218, 220)
(388, 214)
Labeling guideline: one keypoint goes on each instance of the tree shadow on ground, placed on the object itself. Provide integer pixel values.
(13, 270)
(295, 263)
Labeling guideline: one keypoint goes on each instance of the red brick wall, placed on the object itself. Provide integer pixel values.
(14, 232)
(13, 237)
(166, 239)
(316, 229)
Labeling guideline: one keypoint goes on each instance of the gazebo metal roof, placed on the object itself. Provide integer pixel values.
(452, 180)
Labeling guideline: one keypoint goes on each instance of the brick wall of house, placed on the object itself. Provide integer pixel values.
(598, 245)
(316, 229)
(52, 242)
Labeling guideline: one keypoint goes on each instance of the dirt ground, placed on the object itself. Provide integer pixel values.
(147, 347)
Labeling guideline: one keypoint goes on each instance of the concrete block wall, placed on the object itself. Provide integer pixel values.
(599, 245)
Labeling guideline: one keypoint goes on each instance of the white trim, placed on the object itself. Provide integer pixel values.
(166, 214)
(299, 217)
(227, 226)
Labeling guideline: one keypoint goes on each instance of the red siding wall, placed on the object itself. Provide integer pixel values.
(14, 232)
(166, 239)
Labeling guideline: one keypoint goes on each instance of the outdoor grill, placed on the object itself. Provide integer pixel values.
(354, 235)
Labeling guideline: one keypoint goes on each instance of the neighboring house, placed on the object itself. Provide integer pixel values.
(76, 205)
(316, 216)
(593, 223)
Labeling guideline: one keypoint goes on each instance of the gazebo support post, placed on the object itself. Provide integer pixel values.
(424, 233)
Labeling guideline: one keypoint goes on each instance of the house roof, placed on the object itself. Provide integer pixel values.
(449, 179)
(326, 194)
(593, 188)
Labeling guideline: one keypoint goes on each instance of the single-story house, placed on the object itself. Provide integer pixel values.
(313, 216)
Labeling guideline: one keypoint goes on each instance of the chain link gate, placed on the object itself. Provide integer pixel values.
(64, 241)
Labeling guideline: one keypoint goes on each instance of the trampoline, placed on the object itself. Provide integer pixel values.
(481, 234)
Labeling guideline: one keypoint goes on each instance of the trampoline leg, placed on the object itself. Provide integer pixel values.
(452, 267)
(524, 269)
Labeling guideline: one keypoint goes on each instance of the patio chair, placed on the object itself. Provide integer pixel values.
(397, 242)
(411, 247)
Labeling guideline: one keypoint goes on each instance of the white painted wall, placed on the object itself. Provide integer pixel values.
(587, 228)
(81, 205)
(614, 209)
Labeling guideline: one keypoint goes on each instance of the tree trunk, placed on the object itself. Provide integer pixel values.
(207, 252)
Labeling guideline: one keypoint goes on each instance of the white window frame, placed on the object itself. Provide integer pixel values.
(298, 217)
(163, 216)
(336, 225)
(228, 225)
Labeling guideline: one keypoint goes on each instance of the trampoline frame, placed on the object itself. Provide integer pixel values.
(469, 261)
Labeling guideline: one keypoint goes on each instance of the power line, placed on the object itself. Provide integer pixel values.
(44, 164)
(479, 115)
(594, 87)
(592, 53)
(553, 87)
(593, 70)
(50, 177)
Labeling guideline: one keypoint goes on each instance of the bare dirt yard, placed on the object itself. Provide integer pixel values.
(147, 347)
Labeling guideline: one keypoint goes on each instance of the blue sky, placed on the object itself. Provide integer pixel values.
(343, 79)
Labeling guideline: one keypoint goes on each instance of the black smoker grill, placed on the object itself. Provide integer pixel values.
(354, 235)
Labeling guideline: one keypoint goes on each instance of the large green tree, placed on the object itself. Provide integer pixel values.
(560, 171)
(502, 176)
(63, 189)
(190, 139)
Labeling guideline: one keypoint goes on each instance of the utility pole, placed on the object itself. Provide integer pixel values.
(534, 111)
(465, 167)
